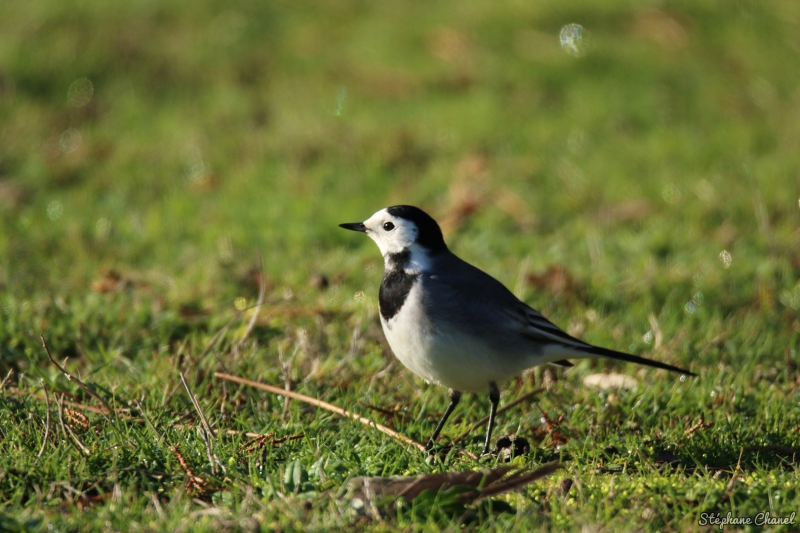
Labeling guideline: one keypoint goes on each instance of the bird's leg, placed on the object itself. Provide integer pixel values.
(494, 397)
(455, 396)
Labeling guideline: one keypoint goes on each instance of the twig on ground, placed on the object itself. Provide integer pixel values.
(78, 382)
(324, 405)
(8, 377)
(46, 422)
(503, 409)
(248, 434)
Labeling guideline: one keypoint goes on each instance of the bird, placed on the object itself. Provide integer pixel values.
(456, 326)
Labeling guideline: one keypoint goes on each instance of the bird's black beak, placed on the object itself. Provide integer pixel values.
(354, 226)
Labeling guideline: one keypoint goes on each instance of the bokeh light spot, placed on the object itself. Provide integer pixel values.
(70, 140)
(54, 210)
(102, 228)
(341, 99)
(574, 40)
(80, 92)
(725, 257)
(671, 193)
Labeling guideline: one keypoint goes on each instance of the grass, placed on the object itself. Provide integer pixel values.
(644, 195)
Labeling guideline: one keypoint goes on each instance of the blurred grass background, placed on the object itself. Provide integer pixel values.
(170, 143)
(643, 194)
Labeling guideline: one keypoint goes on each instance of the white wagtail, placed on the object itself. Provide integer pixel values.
(452, 324)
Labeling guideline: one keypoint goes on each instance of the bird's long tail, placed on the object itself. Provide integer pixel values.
(628, 358)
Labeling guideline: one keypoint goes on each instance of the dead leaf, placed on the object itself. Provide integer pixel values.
(449, 44)
(626, 212)
(668, 30)
(108, 281)
(515, 206)
(610, 381)
(365, 493)
(12, 194)
(556, 280)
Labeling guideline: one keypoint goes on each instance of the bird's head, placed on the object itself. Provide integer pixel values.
(401, 228)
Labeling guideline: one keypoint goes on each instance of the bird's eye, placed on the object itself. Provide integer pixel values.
(388, 226)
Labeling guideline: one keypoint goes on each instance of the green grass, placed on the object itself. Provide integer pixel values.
(131, 228)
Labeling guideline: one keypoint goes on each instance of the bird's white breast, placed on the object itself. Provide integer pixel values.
(441, 353)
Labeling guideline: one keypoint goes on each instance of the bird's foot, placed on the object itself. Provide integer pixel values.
(487, 453)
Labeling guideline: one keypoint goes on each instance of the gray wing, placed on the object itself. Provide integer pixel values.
(481, 304)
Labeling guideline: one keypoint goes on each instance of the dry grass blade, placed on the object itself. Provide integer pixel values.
(46, 422)
(124, 413)
(732, 482)
(324, 405)
(286, 370)
(205, 432)
(120, 412)
(72, 378)
(6, 380)
(503, 409)
(262, 291)
(196, 404)
(213, 460)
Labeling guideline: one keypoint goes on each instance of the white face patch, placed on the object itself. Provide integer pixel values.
(392, 234)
